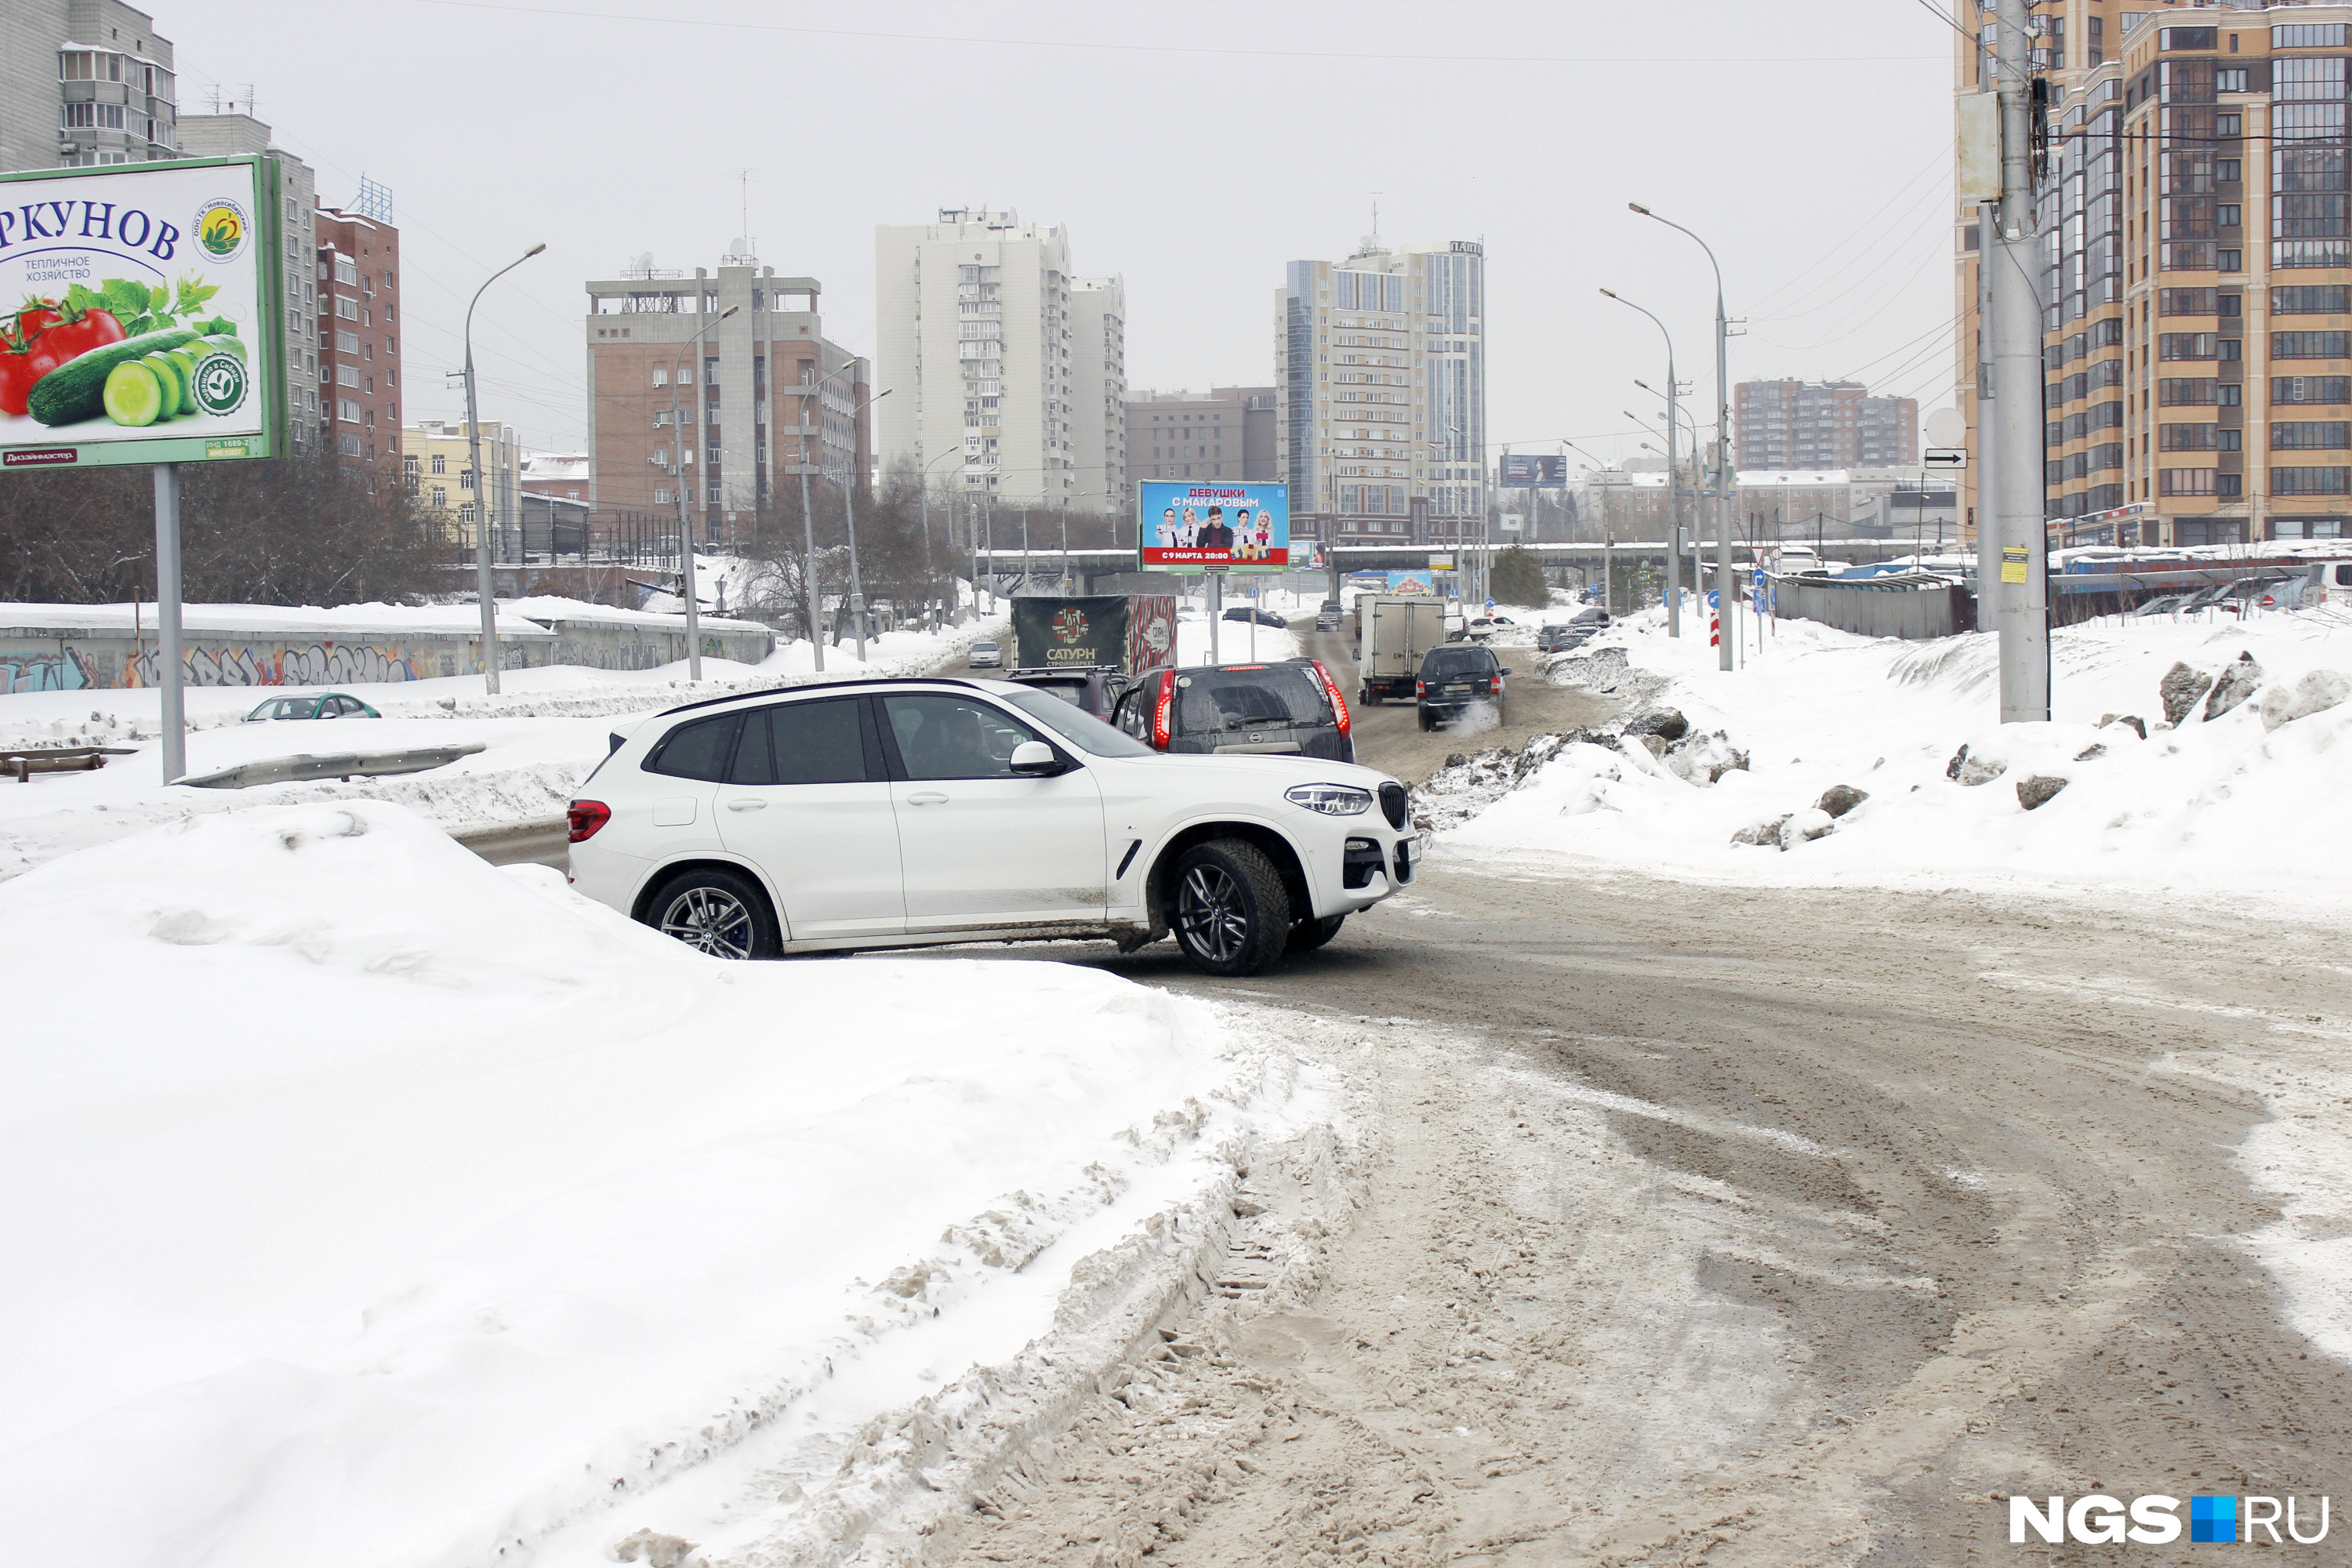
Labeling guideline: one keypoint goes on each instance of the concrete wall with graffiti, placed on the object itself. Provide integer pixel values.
(80, 658)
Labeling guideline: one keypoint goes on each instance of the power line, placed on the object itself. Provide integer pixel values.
(1170, 49)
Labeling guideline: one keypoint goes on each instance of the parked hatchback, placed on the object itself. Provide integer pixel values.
(1457, 677)
(1289, 707)
(903, 813)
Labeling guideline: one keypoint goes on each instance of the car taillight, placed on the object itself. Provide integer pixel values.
(1339, 703)
(1421, 689)
(583, 817)
(1162, 708)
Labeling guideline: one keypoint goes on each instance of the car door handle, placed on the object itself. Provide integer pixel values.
(747, 804)
(926, 798)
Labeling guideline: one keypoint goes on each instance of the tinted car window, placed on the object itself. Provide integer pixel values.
(1449, 662)
(817, 742)
(1272, 695)
(942, 737)
(1080, 728)
(695, 751)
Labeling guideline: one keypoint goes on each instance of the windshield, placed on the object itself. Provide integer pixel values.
(1285, 696)
(1075, 725)
(1450, 662)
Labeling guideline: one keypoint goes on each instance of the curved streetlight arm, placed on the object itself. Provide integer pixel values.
(1724, 483)
(1673, 490)
(484, 586)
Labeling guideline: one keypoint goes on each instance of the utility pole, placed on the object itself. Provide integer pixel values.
(2017, 366)
(1988, 536)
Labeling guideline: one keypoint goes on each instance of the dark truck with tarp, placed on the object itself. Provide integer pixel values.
(1090, 649)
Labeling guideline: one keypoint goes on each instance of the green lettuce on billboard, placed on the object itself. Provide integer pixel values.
(149, 328)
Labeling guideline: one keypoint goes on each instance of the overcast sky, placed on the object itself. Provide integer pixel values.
(1192, 148)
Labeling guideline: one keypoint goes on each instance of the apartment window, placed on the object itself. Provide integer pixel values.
(2307, 36)
(2311, 345)
(348, 375)
(347, 410)
(661, 376)
(465, 479)
(2311, 481)
(2194, 345)
(440, 463)
(466, 512)
(2312, 436)
(710, 371)
(347, 308)
(80, 116)
(2304, 81)
(347, 272)
(2229, 78)
(347, 342)
(440, 495)
(2227, 216)
(2185, 482)
(2187, 301)
(2187, 37)
(2311, 389)
(2320, 300)
(2188, 437)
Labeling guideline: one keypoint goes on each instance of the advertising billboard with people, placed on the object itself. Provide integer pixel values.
(1213, 527)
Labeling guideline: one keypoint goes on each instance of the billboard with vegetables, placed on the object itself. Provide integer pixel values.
(139, 314)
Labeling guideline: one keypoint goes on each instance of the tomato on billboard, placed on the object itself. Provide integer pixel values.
(1223, 526)
(149, 332)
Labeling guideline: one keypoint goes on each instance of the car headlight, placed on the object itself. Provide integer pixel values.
(1331, 799)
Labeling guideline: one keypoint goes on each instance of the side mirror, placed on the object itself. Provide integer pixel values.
(1035, 758)
(1506, 670)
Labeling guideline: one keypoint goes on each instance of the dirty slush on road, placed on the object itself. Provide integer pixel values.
(1707, 1235)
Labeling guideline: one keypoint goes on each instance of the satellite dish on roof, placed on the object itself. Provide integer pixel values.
(640, 265)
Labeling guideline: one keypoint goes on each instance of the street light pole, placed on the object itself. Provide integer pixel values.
(1723, 490)
(1674, 481)
(685, 523)
(923, 496)
(849, 516)
(808, 518)
(485, 587)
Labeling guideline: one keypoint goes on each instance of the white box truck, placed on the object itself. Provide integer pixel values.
(1394, 631)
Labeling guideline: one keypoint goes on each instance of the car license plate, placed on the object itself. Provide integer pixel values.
(1457, 690)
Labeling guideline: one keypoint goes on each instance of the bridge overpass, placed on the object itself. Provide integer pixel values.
(1114, 571)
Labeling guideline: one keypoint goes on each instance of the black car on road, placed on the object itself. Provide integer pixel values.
(1286, 707)
(1243, 612)
(1096, 688)
(1455, 678)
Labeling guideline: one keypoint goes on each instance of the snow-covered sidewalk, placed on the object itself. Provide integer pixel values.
(373, 1206)
(2216, 807)
(541, 735)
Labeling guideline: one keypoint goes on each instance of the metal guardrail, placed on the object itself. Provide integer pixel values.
(343, 765)
(33, 760)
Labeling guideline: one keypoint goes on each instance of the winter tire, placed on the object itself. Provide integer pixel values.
(722, 913)
(1311, 933)
(1231, 911)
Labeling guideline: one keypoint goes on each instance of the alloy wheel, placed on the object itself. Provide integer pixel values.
(710, 921)
(1210, 914)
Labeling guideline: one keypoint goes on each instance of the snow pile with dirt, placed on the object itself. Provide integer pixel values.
(1883, 763)
(410, 1211)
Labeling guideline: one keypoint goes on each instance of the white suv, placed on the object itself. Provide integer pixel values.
(911, 812)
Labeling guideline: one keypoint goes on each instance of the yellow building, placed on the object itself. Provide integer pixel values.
(436, 462)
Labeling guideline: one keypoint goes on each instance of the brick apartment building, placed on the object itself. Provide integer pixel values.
(1785, 424)
(359, 341)
(749, 374)
(1224, 433)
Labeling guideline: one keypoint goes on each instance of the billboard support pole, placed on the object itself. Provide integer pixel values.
(1216, 610)
(174, 734)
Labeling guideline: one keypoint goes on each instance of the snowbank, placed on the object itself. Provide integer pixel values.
(407, 1211)
(541, 735)
(2207, 807)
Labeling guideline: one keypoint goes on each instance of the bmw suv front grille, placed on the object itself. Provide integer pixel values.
(1394, 806)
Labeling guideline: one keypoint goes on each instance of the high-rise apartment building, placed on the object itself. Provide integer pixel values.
(1823, 425)
(359, 341)
(1099, 394)
(83, 82)
(992, 348)
(749, 372)
(1380, 373)
(309, 406)
(1224, 433)
(2197, 347)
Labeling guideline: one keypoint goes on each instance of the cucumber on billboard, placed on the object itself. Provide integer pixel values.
(1224, 526)
(149, 332)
